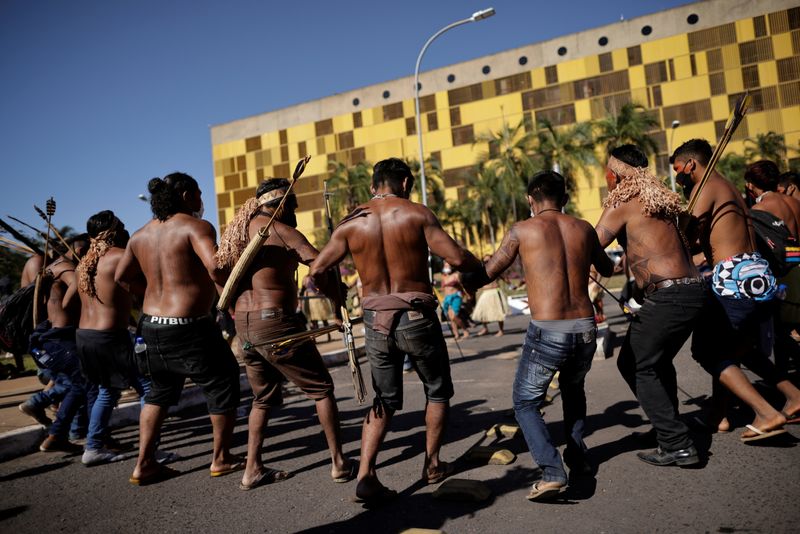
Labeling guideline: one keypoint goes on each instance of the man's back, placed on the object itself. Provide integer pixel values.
(111, 307)
(785, 208)
(557, 251)
(725, 230)
(61, 309)
(389, 246)
(178, 283)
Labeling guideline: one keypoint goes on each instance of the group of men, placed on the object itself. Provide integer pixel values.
(175, 267)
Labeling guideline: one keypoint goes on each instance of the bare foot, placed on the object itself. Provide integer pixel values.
(433, 474)
(724, 425)
(766, 425)
(346, 472)
(791, 409)
(262, 477)
(499, 333)
(465, 335)
(482, 332)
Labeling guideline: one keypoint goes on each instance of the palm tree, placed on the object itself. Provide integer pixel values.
(630, 126)
(492, 199)
(349, 186)
(433, 180)
(770, 145)
(509, 158)
(732, 167)
(567, 149)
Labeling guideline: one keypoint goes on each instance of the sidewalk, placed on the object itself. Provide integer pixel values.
(20, 435)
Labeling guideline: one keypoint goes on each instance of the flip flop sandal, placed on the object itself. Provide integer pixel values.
(541, 494)
(164, 473)
(268, 476)
(382, 496)
(236, 466)
(447, 470)
(350, 475)
(761, 434)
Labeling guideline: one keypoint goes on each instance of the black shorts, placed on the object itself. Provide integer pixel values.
(418, 334)
(106, 357)
(195, 349)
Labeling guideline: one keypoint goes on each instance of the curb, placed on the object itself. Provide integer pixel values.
(26, 440)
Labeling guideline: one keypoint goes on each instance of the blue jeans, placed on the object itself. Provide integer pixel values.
(68, 372)
(101, 407)
(543, 354)
(55, 395)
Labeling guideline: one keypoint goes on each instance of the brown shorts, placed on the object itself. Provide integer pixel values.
(301, 363)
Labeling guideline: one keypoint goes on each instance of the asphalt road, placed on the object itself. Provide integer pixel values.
(742, 488)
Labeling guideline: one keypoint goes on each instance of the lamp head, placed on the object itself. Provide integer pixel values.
(675, 124)
(482, 14)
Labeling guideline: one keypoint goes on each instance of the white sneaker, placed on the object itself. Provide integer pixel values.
(166, 457)
(99, 456)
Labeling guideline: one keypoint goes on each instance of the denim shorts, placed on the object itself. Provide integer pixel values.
(418, 334)
(197, 351)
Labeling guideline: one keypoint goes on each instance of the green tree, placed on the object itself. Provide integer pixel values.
(570, 149)
(348, 187)
(770, 145)
(732, 167)
(433, 180)
(630, 126)
(510, 160)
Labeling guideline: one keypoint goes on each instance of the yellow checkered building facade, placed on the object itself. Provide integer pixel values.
(687, 64)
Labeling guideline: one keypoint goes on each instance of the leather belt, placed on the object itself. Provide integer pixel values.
(669, 282)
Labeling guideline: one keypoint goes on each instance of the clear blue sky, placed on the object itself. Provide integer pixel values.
(97, 97)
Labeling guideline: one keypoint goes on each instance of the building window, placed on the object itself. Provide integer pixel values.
(634, 55)
(419, 86)
(692, 64)
(689, 113)
(750, 77)
(323, 127)
(522, 60)
(486, 69)
(302, 149)
(433, 121)
(714, 59)
(551, 74)
(712, 37)
(647, 30)
(392, 111)
(557, 116)
(357, 120)
(411, 126)
(657, 96)
(463, 135)
(671, 66)
(252, 144)
(455, 117)
(284, 153)
(462, 95)
(760, 26)
(602, 41)
(562, 51)
(655, 72)
(427, 103)
(356, 101)
(756, 51)
(789, 69)
(717, 82)
(606, 62)
(692, 19)
(512, 84)
(345, 140)
(760, 99)
(451, 78)
(386, 94)
(283, 137)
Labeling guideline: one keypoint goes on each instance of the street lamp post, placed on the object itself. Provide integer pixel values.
(478, 15)
(675, 125)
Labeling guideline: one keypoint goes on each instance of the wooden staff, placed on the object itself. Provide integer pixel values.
(21, 238)
(622, 304)
(55, 231)
(352, 357)
(51, 210)
(738, 113)
(23, 223)
(279, 342)
(249, 254)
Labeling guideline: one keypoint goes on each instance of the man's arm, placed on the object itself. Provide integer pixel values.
(611, 223)
(445, 246)
(504, 256)
(204, 243)
(129, 273)
(600, 260)
(330, 255)
(71, 297)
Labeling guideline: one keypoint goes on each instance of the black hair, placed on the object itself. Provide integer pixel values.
(99, 222)
(547, 185)
(763, 174)
(697, 149)
(271, 184)
(789, 178)
(630, 154)
(391, 172)
(166, 194)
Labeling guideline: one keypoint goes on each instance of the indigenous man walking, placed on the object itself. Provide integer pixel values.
(266, 308)
(642, 215)
(557, 251)
(172, 256)
(389, 238)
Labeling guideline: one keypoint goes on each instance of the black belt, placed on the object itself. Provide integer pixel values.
(669, 282)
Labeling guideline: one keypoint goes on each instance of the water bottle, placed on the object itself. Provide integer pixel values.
(139, 346)
(781, 293)
(40, 356)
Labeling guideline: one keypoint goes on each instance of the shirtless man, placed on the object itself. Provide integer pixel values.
(737, 315)
(557, 251)
(453, 300)
(265, 309)
(641, 214)
(389, 238)
(55, 337)
(104, 343)
(789, 184)
(173, 257)
(761, 181)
